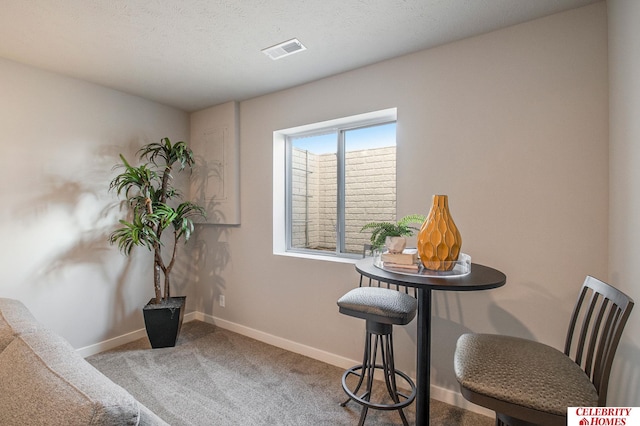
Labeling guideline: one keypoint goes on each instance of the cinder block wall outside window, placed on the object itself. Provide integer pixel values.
(370, 196)
(305, 210)
(370, 179)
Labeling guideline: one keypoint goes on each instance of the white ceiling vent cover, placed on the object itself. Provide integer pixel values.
(283, 49)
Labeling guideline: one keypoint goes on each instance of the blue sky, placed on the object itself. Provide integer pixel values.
(363, 138)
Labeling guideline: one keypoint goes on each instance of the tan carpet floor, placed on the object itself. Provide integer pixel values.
(217, 377)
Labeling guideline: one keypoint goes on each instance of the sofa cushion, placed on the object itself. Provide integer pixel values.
(45, 382)
(15, 319)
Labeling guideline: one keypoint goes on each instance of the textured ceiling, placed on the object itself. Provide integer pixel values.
(192, 54)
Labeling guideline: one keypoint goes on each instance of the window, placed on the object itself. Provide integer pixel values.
(339, 175)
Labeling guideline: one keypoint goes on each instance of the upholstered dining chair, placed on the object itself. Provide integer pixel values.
(530, 383)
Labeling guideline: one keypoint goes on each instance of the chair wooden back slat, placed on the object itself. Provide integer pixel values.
(605, 346)
(587, 314)
(574, 320)
(602, 312)
(597, 337)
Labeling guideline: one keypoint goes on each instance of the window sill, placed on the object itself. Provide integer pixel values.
(317, 257)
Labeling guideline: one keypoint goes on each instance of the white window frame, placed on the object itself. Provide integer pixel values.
(280, 188)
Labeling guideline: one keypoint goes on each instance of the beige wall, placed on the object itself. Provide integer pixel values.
(624, 188)
(512, 125)
(60, 140)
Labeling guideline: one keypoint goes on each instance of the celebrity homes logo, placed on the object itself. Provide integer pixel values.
(603, 416)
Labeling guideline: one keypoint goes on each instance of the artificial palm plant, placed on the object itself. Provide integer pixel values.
(151, 201)
(402, 228)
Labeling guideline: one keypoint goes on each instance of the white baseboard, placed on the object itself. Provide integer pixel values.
(106, 345)
(441, 394)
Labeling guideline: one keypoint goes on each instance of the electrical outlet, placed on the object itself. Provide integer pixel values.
(221, 301)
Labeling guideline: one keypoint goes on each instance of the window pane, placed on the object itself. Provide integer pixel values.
(313, 192)
(340, 175)
(370, 181)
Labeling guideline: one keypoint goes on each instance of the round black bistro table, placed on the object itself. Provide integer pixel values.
(480, 278)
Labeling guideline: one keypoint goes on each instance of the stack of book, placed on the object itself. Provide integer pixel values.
(404, 261)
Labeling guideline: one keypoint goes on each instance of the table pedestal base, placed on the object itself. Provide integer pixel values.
(423, 362)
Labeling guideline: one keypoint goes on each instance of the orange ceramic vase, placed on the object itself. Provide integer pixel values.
(439, 240)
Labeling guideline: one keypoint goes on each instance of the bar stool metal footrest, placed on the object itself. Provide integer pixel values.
(408, 399)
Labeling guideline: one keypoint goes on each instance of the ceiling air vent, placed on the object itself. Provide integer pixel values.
(283, 49)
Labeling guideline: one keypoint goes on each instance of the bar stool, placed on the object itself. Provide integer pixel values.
(381, 308)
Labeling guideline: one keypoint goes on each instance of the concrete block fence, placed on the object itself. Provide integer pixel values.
(370, 182)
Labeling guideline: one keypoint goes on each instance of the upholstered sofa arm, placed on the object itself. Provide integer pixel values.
(15, 320)
(45, 382)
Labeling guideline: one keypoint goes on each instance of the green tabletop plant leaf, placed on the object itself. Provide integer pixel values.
(402, 228)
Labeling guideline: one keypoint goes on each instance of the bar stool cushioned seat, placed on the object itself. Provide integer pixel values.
(492, 365)
(381, 308)
(379, 304)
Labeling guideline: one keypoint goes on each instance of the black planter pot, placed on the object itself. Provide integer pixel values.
(163, 321)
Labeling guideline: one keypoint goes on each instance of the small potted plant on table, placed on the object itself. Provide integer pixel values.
(392, 235)
(152, 207)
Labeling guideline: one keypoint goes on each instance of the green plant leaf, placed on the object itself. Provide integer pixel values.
(163, 215)
(147, 190)
(183, 223)
(139, 179)
(136, 233)
(381, 230)
(170, 154)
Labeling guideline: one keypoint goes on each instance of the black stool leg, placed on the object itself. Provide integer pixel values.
(371, 370)
(365, 362)
(378, 338)
(390, 374)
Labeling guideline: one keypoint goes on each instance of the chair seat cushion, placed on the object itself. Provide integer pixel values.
(522, 372)
(378, 304)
